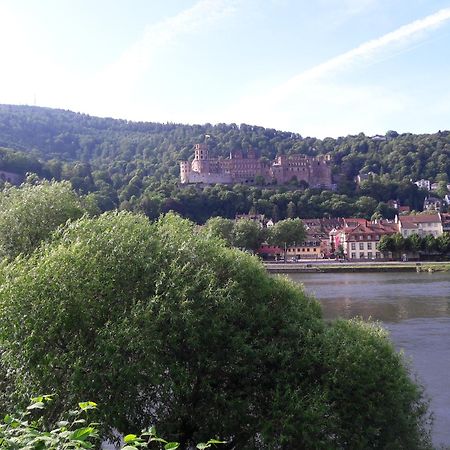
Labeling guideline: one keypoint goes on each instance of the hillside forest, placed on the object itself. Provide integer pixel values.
(134, 165)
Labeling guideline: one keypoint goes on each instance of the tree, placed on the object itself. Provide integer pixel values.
(31, 212)
(386, 211)
(366, 206)
(430, 244)
(386, 245)
(443, 243)
(158, 324)
(286, 233)
(220, 227)
(415, 243)
(442, 189)
(163, 325)
(291, 211)
(387, 388)
(399, 243)
(247, 234)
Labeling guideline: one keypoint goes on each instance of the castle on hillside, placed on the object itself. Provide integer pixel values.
(248, 169)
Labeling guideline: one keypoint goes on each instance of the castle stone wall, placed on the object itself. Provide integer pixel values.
(239, 168)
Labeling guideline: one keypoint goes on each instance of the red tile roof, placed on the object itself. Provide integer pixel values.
(420, 218)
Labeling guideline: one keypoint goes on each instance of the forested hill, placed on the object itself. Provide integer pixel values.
(125, 162)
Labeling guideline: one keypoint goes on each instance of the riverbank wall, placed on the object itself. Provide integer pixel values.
(305, 267)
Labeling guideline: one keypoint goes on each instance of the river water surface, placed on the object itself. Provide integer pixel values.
(414, 307)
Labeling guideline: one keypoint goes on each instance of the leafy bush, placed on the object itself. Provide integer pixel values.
(31, 212)
(163, 325)
(372, 401)
(28, 431)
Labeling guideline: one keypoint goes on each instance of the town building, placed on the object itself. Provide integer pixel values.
(359, 238)
(421, 224)
(423, 184)
(369, 176)
(319, 229)
(447, 199)
(316, 244)
(445, 217)
(257, 218)
(432, 204)
(435, 186)
(309, 249)
(248, 169)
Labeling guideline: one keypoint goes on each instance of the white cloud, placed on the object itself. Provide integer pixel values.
(117, 82)
(28, 71)
(316, 96)
(364, 53)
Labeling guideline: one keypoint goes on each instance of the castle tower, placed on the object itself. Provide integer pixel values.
(201, 152)
(185, 168)
(200, 163)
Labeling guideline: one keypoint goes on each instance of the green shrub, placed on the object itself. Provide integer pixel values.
(31, 212)
(166, 326)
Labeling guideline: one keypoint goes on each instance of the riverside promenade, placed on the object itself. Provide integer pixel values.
(324, 266)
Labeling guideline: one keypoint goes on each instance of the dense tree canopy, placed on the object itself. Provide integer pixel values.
(286, 233)
(423, 246)
(31, 212)
(162, 324)
(134, 166)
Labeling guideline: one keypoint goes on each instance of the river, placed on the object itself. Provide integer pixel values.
(414, 307)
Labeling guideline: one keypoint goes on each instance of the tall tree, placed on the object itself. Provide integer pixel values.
(31, 212)
(163, 326)
(286, 233)
(291, 210)
(220, 227)
(247, 234)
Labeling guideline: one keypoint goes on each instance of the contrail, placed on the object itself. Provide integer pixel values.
(363, 52)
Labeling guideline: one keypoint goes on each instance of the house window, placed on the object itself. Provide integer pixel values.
(353, 246)
(377, 255)
(369, 246)
(361, 245)
(360, 238)
(377, 237)
(353, 255)
(369, 254)
(369, 237)
(361, 255)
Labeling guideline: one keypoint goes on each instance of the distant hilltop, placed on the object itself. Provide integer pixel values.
(249, 169)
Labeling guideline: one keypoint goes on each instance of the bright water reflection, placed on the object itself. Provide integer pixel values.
(415, 308)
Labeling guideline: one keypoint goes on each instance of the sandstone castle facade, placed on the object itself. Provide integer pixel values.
(248, 169)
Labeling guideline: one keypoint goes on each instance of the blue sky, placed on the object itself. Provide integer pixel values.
(320, 68)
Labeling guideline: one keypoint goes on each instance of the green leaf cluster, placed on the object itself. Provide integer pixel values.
(135, 165)
(31, 212)
(28, 431)
(167, 326)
